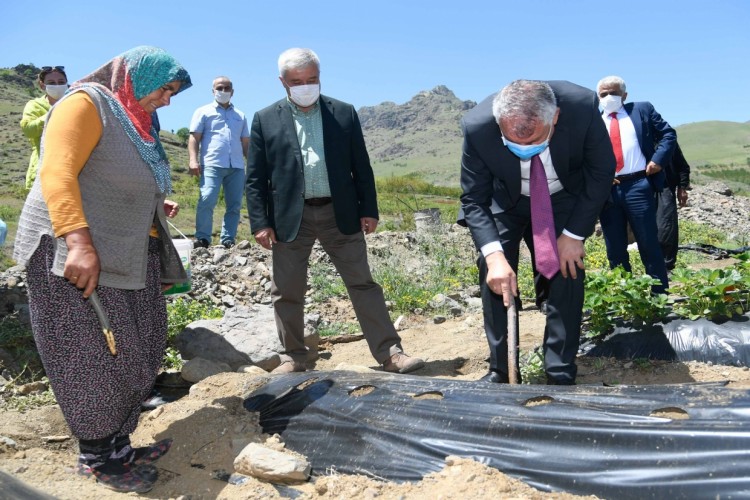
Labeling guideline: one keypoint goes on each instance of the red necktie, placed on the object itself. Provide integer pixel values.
(542, 221)
(614, 136)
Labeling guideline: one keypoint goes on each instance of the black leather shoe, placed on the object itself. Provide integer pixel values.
(554, 381)
(495, 377)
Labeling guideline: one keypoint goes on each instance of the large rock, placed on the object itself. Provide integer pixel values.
(244, 336)
(197, 369)
(270, 465)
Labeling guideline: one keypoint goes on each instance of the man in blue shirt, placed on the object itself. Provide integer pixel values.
(220, 133)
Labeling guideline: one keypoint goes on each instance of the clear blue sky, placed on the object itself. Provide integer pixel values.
(688, 57)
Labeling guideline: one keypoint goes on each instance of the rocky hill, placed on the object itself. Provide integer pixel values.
(421, 135)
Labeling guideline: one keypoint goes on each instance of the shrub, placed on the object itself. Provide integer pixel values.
(180, 313)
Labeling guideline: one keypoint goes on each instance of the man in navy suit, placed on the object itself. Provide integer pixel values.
(646, 144)
(309, 177)
(505, 135)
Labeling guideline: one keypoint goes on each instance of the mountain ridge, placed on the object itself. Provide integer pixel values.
(419, 137)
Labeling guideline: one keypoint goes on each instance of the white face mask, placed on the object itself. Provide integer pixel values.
(305, 95)
(222, 97)
(610, 103)
(55, 91)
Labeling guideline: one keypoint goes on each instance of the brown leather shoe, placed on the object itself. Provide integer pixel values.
(402, 363)
(289, 367)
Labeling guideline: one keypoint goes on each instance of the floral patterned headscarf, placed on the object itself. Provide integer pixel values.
(125, 80)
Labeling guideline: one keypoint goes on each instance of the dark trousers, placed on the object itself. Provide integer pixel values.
(666, 225)
(564, 299)
(634, 202)
(349, 255)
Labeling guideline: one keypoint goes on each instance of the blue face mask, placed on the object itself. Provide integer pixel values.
(529, 151)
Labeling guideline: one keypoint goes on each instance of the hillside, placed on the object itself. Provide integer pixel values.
(17, 86)
(421, 136)
(716, 143)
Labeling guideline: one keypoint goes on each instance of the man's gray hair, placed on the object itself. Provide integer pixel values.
(297, 58)
(525, 103)
(611, 80)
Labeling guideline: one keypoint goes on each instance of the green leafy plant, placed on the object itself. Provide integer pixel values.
(180, 313)
(183, 311)
(172, 360)
(616, 293)
(532, 367)
(708, 293)
(402, 289)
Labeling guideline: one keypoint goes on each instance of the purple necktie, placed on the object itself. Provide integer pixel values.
(542, 221)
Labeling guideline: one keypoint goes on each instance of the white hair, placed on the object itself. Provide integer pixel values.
(523, 104)
(611, 80)
(297, 58)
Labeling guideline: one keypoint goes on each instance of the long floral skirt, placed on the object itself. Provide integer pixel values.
(99, 394)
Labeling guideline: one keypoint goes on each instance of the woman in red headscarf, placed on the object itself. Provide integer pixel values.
(93, 232)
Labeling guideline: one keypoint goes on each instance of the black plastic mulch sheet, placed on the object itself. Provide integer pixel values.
(679, 441)
(726, 343)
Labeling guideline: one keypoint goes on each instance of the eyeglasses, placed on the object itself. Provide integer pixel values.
(50, 68)
(222, 88)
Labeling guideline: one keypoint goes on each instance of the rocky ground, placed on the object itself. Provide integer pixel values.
(210, 423)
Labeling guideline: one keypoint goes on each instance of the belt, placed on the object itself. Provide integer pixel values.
(631, 177)
(317, 202)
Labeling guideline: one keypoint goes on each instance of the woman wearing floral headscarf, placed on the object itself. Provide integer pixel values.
(93, 232)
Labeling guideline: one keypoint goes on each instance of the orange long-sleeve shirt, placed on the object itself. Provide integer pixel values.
(71, 135)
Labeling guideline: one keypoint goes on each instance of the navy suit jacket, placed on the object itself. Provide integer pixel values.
(275, 188)
(655, 137)
(581, 154)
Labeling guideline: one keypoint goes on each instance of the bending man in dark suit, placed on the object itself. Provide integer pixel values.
(676, 191)
(646, 145)
(309, 177)
(558, 124)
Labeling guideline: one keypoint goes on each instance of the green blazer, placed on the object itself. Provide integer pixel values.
(275, 187)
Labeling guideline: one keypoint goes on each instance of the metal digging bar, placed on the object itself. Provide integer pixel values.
(512, 342)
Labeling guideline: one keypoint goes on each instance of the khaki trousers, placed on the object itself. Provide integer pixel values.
(349, 255)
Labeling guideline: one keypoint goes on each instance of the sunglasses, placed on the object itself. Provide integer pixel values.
(50, 68)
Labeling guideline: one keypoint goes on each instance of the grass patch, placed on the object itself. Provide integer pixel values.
(325, 281)
(332, 329)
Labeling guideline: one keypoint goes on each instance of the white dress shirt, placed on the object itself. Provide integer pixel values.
(633, 158)
(554, 184)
